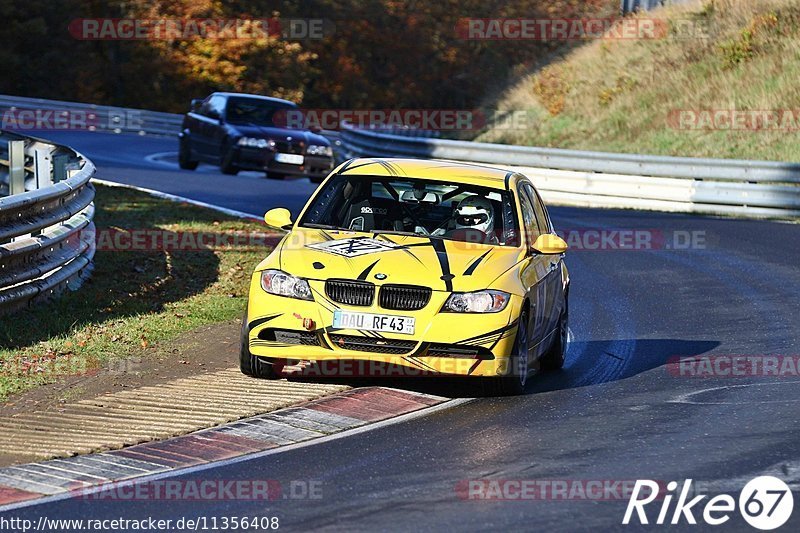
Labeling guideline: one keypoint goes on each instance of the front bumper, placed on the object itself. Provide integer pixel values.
(296, 332)
(262, 159)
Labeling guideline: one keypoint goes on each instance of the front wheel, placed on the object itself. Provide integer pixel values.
(514, 383)
(185, 155)
(249, 364)
(227, 165)
(554, 358)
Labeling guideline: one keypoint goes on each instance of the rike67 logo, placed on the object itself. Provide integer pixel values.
(765, 503)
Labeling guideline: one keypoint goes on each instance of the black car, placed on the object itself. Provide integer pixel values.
(249, 132)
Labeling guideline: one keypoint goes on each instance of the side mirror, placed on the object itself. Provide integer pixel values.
(549, 244)
(279, 218)
(196, 104)
(315, 129)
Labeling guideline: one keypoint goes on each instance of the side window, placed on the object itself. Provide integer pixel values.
(531, 229)
(218, 106)
(212, 107)
(205, 106)
(538, 208)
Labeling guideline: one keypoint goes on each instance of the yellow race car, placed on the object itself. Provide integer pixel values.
(406, 267)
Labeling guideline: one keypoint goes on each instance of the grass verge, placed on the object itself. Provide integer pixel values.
(135, 299)
(625, 95)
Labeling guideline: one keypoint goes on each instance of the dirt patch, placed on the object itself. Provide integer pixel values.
(206, 349)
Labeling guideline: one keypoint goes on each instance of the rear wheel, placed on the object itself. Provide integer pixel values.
(227, 165)
(185, 155)
(249, 364)
(276, 176)
(514, 383)
(554, 358)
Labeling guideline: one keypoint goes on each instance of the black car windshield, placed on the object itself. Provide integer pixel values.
(241, 110)
(407, 206)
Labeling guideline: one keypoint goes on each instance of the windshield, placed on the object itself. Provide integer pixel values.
(255, 111)
(415, 207)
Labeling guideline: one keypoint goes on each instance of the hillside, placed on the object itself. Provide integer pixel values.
(722, 82)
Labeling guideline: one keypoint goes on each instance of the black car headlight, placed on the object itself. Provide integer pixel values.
(252, 142)
(280, 283)
(318, 149)
(488, 301)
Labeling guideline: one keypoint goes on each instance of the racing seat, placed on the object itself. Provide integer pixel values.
(369, 214)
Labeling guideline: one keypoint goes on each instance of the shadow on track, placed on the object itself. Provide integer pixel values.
(588, 363)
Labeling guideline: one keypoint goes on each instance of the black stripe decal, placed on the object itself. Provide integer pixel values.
(444, 263)
(471, 268)
(499, 331)
(367, 270)
(261, 320)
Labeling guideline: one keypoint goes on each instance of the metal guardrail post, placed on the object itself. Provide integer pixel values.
(60, 167)
(16, 167)
(42, 168)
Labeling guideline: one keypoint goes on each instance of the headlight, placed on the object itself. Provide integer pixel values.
(477, 302)
(256, 143)
(280, 283)
(316, 149)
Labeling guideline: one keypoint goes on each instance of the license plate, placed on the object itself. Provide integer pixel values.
(372, 322)
(290, 159)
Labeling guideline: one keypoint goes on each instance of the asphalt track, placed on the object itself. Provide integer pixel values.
(614, 413)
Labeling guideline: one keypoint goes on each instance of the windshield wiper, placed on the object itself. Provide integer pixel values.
(323, 226)
(406, 233)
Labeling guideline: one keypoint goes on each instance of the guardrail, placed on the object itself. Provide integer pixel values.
(87, 116)
(599, 179)
(93, 117)
(46, 231)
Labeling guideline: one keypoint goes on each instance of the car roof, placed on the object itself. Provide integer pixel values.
(429, 169)
(256, 96)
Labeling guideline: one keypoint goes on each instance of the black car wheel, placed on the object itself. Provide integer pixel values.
(554, 358)
(514, 383)
(276, 176)
(185, 155)
(249, 364)
(227, 165)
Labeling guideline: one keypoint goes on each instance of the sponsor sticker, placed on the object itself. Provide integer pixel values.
(354, 247)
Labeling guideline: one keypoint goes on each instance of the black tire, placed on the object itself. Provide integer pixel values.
(249, 364)
(275, 176)
(185, 156)
(226, 165)
(553, 359)
(514, 383)
(317, 180)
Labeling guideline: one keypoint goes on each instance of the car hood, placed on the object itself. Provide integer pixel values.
(279, 134)
(443, 265)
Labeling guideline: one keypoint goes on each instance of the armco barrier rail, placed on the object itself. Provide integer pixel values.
(22, 112)
(26, 111)
(599, 179)
(46, 231)
(592, 179)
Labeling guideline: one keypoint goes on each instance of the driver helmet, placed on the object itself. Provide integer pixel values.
(475, 212)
